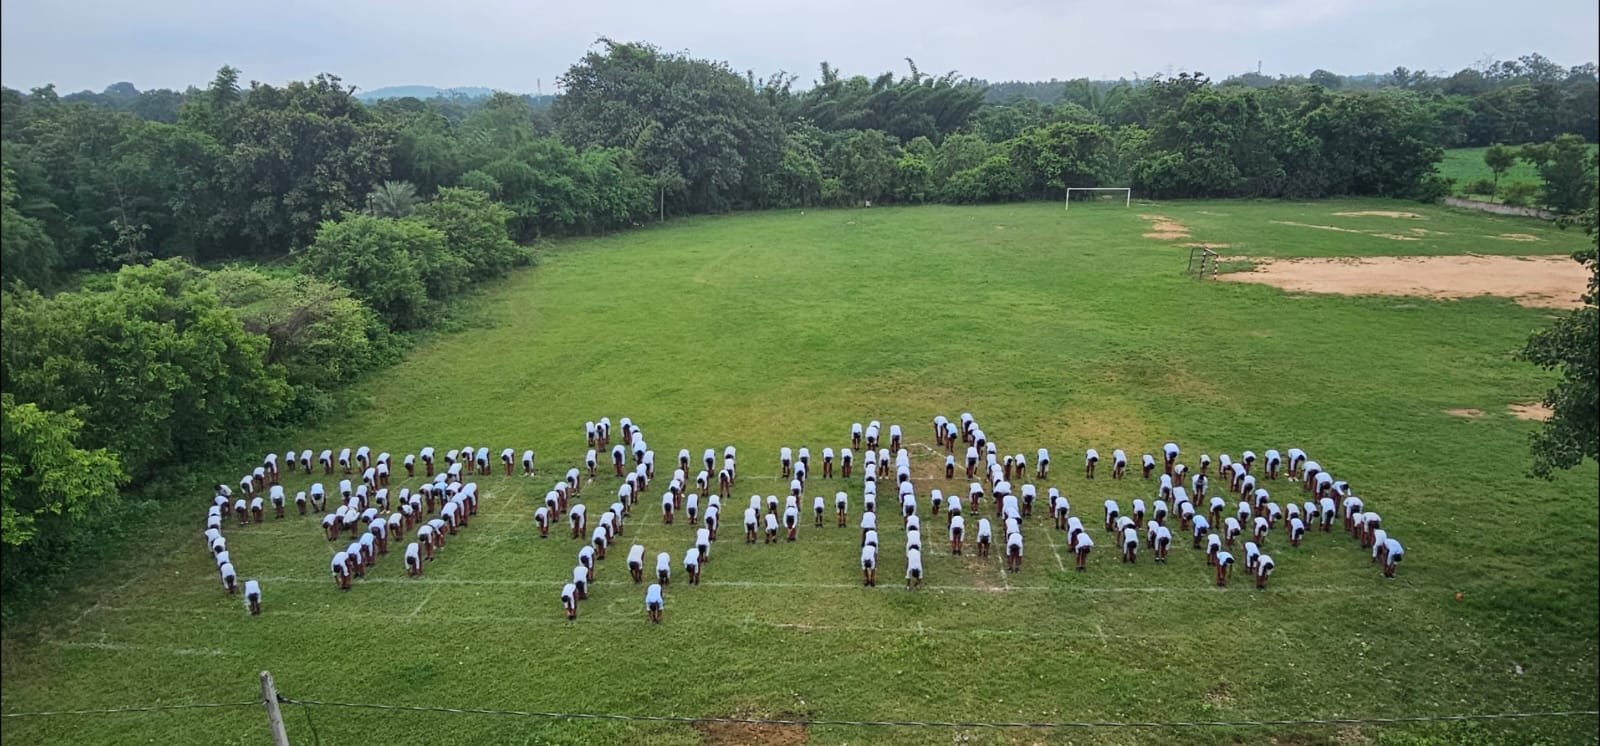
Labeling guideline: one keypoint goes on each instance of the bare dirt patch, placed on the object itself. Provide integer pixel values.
(738, 734)
(1519, 237)
(1212, 246)
(1532, 410)
(1469, 413)
(1163, 228)
(1532, 281)
(1379, 214)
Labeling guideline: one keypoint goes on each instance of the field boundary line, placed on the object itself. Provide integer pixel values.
(1087, 724)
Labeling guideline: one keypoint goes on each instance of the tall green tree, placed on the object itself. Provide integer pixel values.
(1571, 346)
(1499, 159)
(48, 482)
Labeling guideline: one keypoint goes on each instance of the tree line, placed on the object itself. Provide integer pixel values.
(184, 271)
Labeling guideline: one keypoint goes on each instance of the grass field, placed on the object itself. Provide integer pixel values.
(1057, 330)
(1466, 165)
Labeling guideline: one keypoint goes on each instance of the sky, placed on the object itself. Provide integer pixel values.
(524, 46)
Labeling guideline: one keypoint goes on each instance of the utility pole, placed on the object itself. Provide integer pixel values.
(269, 696)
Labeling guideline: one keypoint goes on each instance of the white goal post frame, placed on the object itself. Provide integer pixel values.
(1127, 192)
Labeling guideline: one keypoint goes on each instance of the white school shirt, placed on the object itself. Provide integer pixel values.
(1014, 539)
(1326, 505)
(1130, 536)
(750, 517)
(255, 503)
(599, 536)
(1201, 525)
(580, 575)
(818, 504)
(1118, 457)
(827, 454)
(1090, 456)
(913, 563)
(1224, 558)
(840, 500)
(729, 452)
(1264, 565)
(846, 455)
(1083, 541)
(955, 504)
(586, 556)
(1124, 522)
(984, 529)
(702, 538)
(1171, 450)
(855, 429)
(482, 455)
(712, 513)
(1111, 508)
(957, 526)
(1074, 524)
(1138, 506)
(972, 454)
(1251, 551)
(1232, 525)
(652, 596)
(1160, 507)
(1394, 549)
(252, 589)
(913, 539)
(869, 556)
(1163, 534)
(569, 595)
(1044, 456)
(894, 431)
(791, 517)
(664, 563)
(709, 457)
(339, 561)
(222, 558)
(869, 520)
(785, 454)
(1297, 526)
(772, 524)
(1371, 518)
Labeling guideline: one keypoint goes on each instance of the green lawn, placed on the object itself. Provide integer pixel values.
(1062, 330)
(1466, 165)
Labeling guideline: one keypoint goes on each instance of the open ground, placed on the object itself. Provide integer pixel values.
(1058, 330)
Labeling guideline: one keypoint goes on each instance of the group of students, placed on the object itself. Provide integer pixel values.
(636, 479)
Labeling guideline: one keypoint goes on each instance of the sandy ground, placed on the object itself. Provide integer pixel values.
(1163, 228)
(1533, 281)
(1531, 411)
(1380, 214)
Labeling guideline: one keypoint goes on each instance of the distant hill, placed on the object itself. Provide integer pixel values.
(422, 92)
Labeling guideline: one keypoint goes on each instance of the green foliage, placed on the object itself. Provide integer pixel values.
(1571, 346)
(1499, 159)
(1567, 167)
(27, 255)
(474, 228)
(317, 333)
(397, 267)
(1519, 194)
(155, 366)
(47, 482)
(392, 199)
(1485, 187)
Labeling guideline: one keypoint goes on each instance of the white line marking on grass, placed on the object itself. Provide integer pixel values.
(132, 647)
(1199, 588)
(426, 597)
(1049, 536)
(556, 619)
(1101, 632)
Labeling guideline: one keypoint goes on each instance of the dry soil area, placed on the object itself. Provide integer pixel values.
(1533, 281)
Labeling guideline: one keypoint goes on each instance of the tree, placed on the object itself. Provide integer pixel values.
(1571, 346)
(154, 365)
(1328, 80)
(27, 255)
(1567, 167)
(1499, 159)
(474, 229)
(385, 262)
(392, 199)
(47, 482)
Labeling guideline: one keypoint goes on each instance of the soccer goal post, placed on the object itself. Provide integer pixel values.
(1127, 194)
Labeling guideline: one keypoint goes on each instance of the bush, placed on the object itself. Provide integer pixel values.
(396, 266)
(1519, 195)
(1484, 187)
(1433, 188)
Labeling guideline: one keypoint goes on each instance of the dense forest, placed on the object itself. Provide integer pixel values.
(185, 270)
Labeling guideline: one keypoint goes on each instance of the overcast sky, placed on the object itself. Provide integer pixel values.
(516, 46)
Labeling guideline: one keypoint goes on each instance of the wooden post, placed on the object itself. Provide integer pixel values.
(269, 696)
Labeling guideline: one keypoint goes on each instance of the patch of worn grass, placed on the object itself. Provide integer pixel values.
(1064, 331)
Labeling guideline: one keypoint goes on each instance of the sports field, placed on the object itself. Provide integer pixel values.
(1466, 165)
(1057, 330)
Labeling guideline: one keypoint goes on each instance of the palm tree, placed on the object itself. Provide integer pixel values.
(392, 199)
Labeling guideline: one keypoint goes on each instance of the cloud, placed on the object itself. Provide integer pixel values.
(523, 45)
